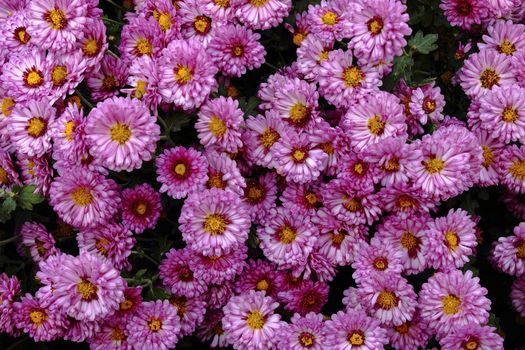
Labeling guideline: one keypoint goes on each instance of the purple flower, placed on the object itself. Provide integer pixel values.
(473, 336)
(141, 208)
(177, 276)
(304, 332)
(41, 244)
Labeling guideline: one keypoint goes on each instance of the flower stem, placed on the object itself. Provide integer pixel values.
(112, 21)
(116, 5)
(84, 99)
(9, 240)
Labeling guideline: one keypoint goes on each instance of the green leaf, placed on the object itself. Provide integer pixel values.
(403, 67)
(8, 206)
(423, 44)
(28, 197)
(251, 105)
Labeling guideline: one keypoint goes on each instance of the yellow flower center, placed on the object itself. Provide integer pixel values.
(59, 75)
(154, 325)
(181, 304)
(215, 224)
(182, 74)
(120, 133)
(222, 3)
(56, 19)
(82, 196)
(21, 35)
(91, 47)
(329, 18)
(217, 127)
(38, 317)
(126, 305)
(87, 290)
(353, 76)
(299, 114)
(287, 234)
(7, 106)
(327, 147)
(306, 339)
(489, 78)
(36, 127)
(375, 25)
(471, 344)
(298, 38)
(216, 181)
(352, 204)
(109, 83)
(509, 115)
(117, 335)
(451, 304)
(429, 105)
(202, 24)
(409, 241)
(33, 78)
(233, 92)
(507, 48)
(31, 167)
(258, 3)
(140, 208)
(311, 198)
(268, 138)
(392, 165)
(143, 47)
(517, 169)
(376, 125)
(323, 56)
(403, 328)
(102, 246)
(298, 155)
(180, 169)
(359, 168)
(488, 156)
(164, 20)
(380, 263)
(356, 338)
(255, 320)
(238, 50)
(140, 90)
(434, 165)
(338, 237)
(520, 249)
(4, 178)
(254, 193)
(451, 240)
(387, 300)
(262, 285)
(69, 129)
(41, 250)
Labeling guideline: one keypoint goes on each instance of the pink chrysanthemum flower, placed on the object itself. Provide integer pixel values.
(113, 242)
(337, 241)
(143, 81)
(331, 21)
(301, 29)
(84, 199)
(427, 104)
(376, 259)
(250, 322)
(211, 329)
(190, 311)
(306, 197)
(181, 171)
(509, 252)
(473, 336)
(219, 124)
(360, 173)
(304, 332)
(259, 275)
(351, 299)
(140, 37)
(41, 323)
(260, 195)
(186, 75)
(87, 287)
(9, 289)
(132, 300)
(214, 222)
(106, 82)
(518, 63)
(9, 8)
(308, 297)
(511, 168)
(492, 147)
(220, 10)
(218, 295)
(80, 331)
(15, 35)
(504, 37)
(341, 82)
(451, 240)
(235, 48)
(56, 24)
(333, 141)
(30, 127)
(41, 244)
(35, 171)
(165, 14)
(141, 208)
(122, 133)
(317, 266)
(379, 29)
(503, 113)
(297, 159)
(262, 14)
(350, 205)
(465, 13)
(452, 299)
(311, 53)
(177, 276)
(410, 335)
(287, 239)
(223, 173)
(48, 276)
(66, 72)
(113, 335)
(93, 42)
(155, 325)
(354, 329)
(68, 133)
(218, 268)
(517, 295)
(378, 117)
(483, 71)
(195, 24)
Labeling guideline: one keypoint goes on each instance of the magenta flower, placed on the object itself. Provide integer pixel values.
(260, 195)
(139, 38)
(492, 147)
(517, 295)
(308, 297)
(66, 72)
(311, 53)
(211, 329)
(504, 37)
(262, 14)
(410, 335)
(9, 289)
(511, 168)
(465, 13)
(337, 241)
(304, 332)
(473, 335)
(190, 311)
(41, 244)
(223, 173)
(106, 82)
(68, 134)
(508, 252)
(144, 81)
(16, 36)
(93, 42)
(177, 276)
(376, 259)
(113, 335)
(330, 20)
(259, 275)
(427, 104)
(141, 208)
(218, 268)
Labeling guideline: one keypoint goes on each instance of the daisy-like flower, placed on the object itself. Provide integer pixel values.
(465, 13)
(41, 244)
(509, 252)
(287, 239)
(262, 14)
(9, 289)
(317, 266)
(304, 332)
(311, 53)
(155, 325)
(250, 322)
(260, 195)
(83, 198)
(16, 36)
(107, 81)
(214, 222)
(165, 14)
(219, 124)
(337, 241)
(211, 329)
(333, 141)
(218, 295)
(354, 329)
(112, 335)
(93, 42)
(41, 323)
(113, 242)
(131, 302)
(307, 197)
(235, 48)
(30, 127)
(376, 259)
(308, 297)
(220, 10)
(301, 29)
(452, 299)
(407, 235)
(483, 71)
(351, 299)
(427, 104)
(218, 268)
(505, 37)
(87, 287)
(195, 23)
(122, 133)
(379, 29)
(373, 119)
(451, 240)
(56, 24)
(511, 168)
(26, 75)
(190, 311)
(80, 331)
(223, 173)
(473, 336)
(8, 174)
(9, 8)
(48, 276)
(143, 81)
(410, 335)
(492, 147)
(341, 82)
(517, 295)
(354, 169)
(297, 159)
(177, 276)
(519, 67)
(185, 73)
(68, 133)
(181, 171)
(140, 37)
(141, 208)
(66, 72)
(502, 113)
(259, 275)
(331, 21)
